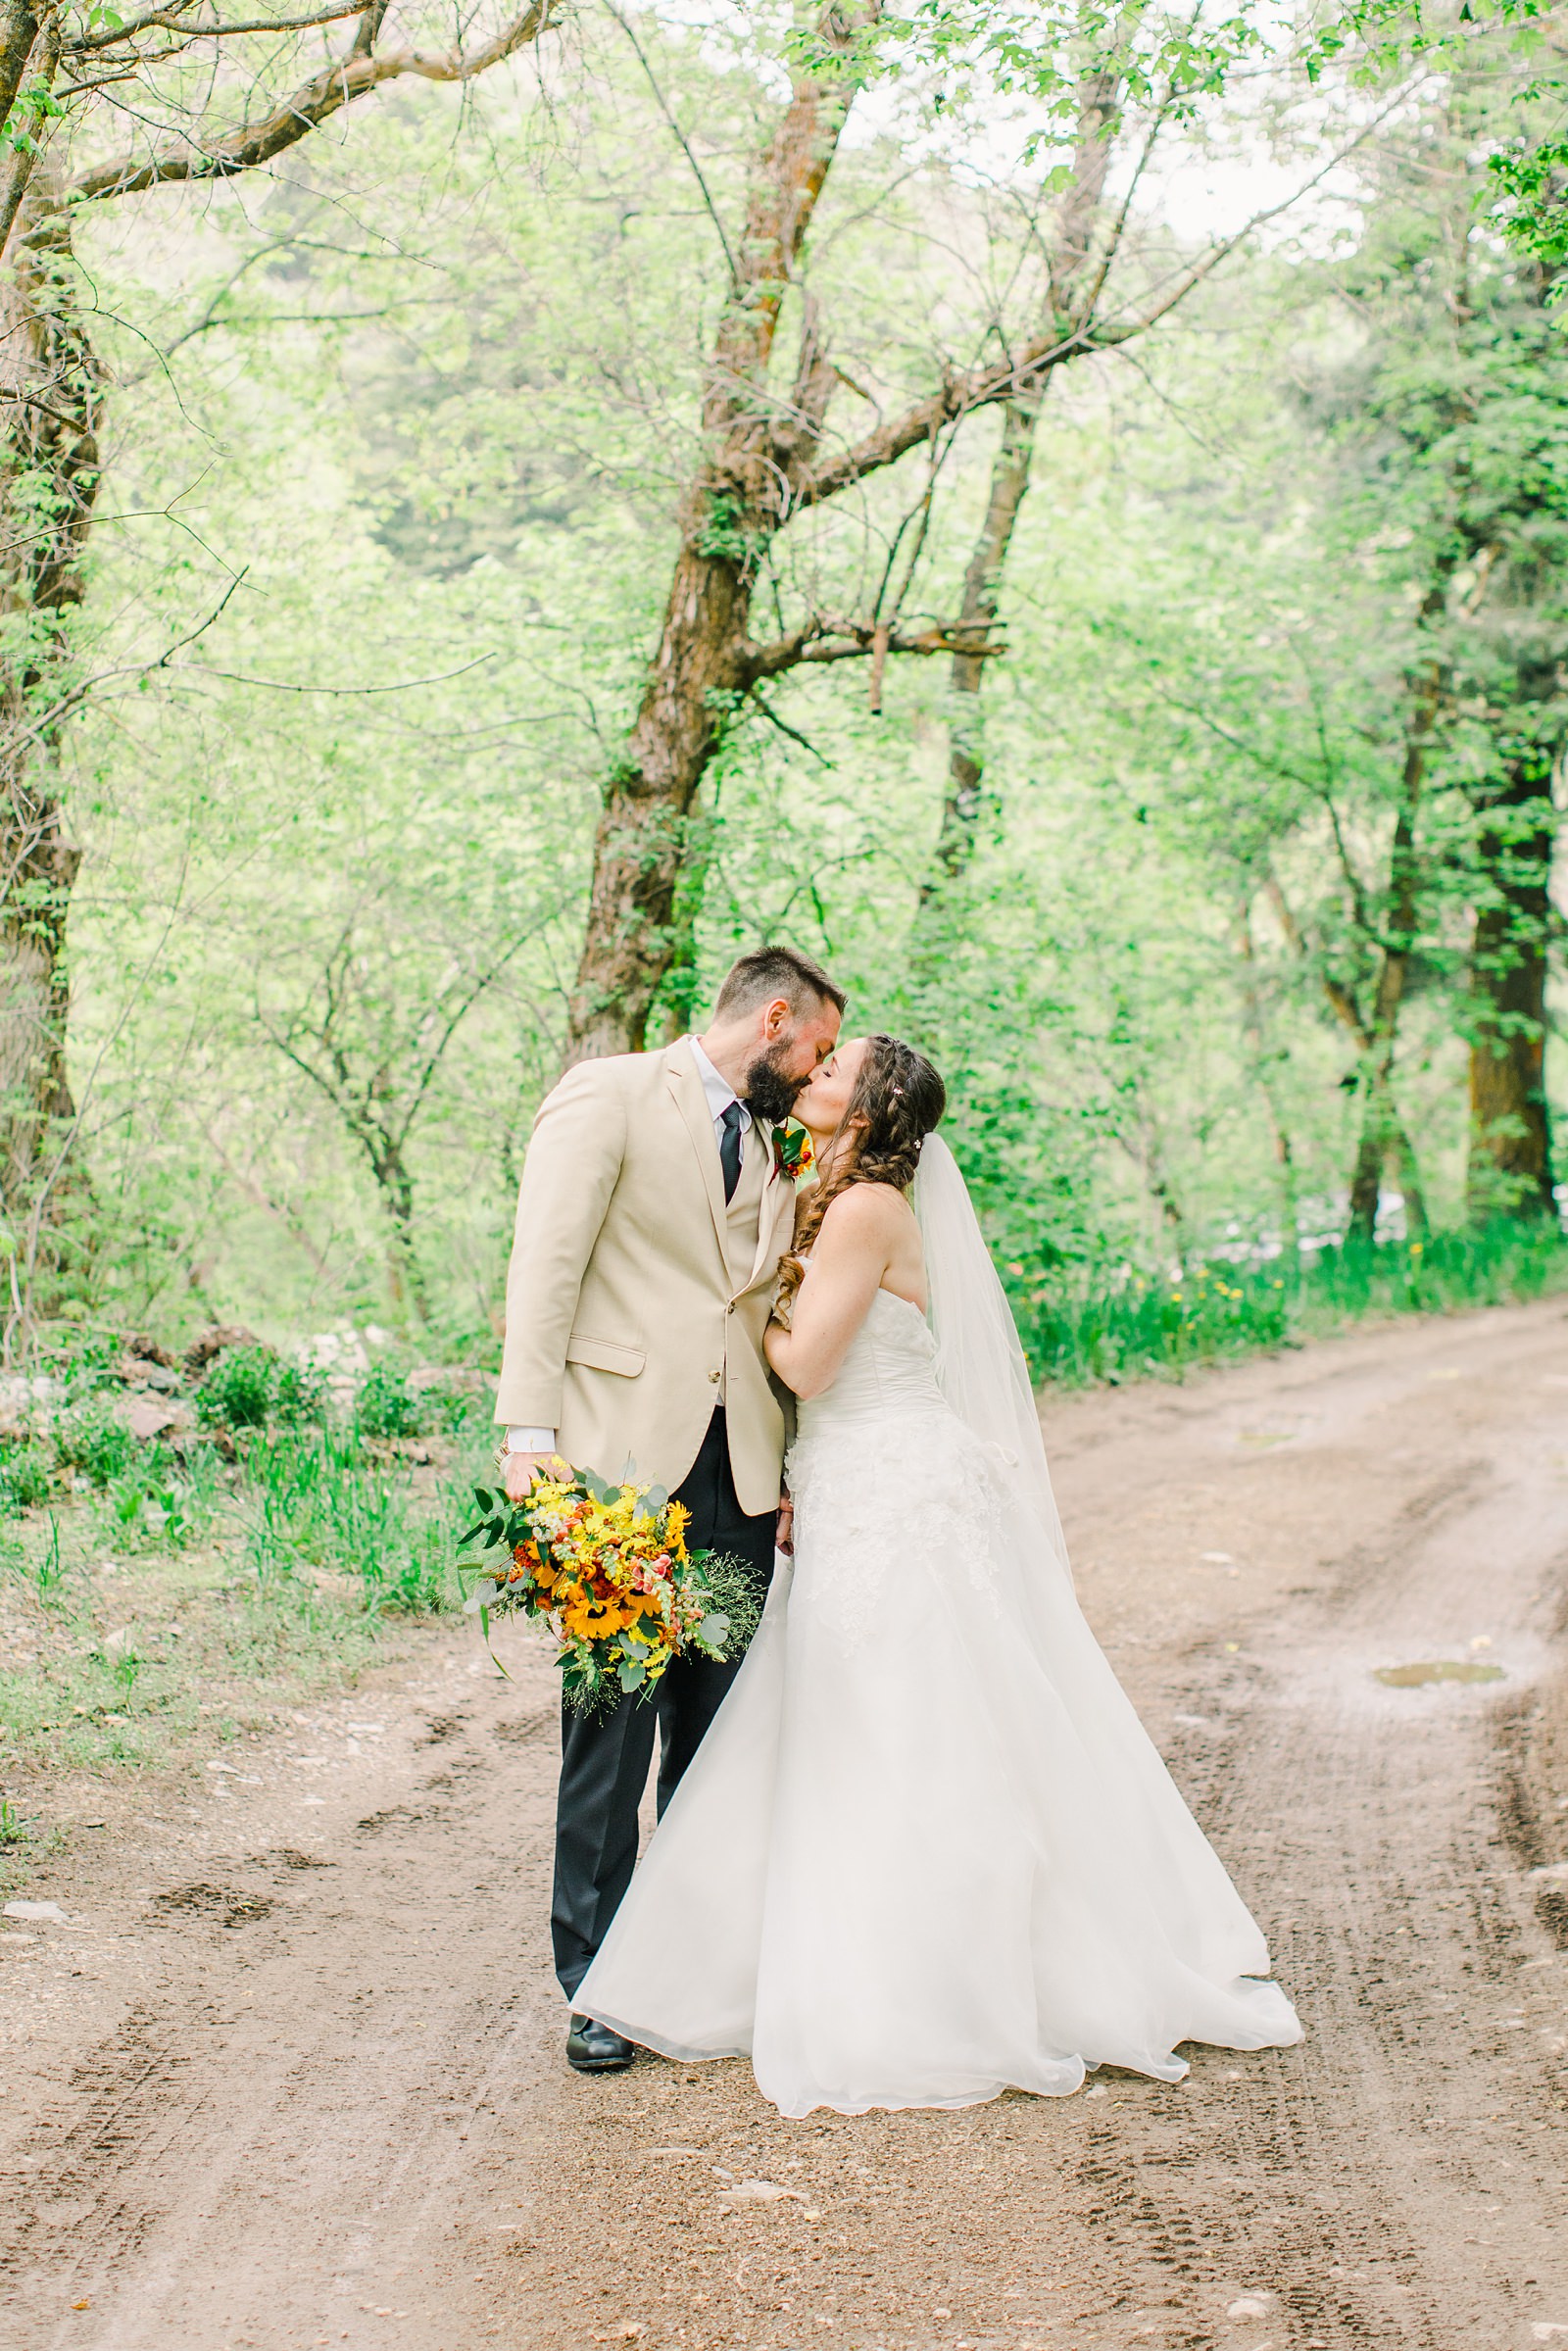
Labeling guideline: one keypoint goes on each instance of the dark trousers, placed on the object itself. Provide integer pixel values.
(605, 1756)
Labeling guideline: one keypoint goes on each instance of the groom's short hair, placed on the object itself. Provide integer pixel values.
(772, 971)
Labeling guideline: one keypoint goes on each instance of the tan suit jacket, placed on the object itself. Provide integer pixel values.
(636, 1297)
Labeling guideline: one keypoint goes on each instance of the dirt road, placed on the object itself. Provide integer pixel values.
(288, 2073)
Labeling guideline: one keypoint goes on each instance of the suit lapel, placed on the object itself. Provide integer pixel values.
(680, 1072)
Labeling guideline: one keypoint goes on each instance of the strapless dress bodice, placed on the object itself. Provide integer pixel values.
(889, 1368)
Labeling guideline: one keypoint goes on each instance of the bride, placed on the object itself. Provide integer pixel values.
(926, 1851)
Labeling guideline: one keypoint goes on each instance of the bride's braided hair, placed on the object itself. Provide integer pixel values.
(898, 1098)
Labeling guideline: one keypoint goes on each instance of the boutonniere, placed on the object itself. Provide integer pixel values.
(793, 1152)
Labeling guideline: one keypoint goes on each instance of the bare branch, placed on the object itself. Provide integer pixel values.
(784, 727)
(284, 685)
(31, 399)
(1341, 1001)
(682, 139)
(967, 388)
(822, 639)
(160, 20)
(350, 76)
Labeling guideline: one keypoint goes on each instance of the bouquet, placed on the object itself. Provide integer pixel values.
(608, 1570)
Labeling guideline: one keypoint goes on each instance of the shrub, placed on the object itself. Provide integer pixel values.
(91, 1436)
(384, 1406)
(297, 1394)
(27, 1477)
(451, 1409)
(239, 1389)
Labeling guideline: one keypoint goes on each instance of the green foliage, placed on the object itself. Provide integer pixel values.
(148, 1507)
(251, 1388)
(1157, 1324)
(92, 1438)
(238, 1392)
(346, 915)
(384, 1406)
(26, 1477)
(299, 1393)
(726, 534)
(1531, 177)
(34, 105)
(315, 1503)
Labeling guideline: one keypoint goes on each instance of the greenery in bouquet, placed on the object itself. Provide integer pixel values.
(607, 1569)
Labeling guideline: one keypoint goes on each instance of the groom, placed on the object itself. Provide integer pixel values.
(651, 1220)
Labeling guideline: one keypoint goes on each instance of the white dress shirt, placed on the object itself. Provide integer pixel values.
(721, 1093)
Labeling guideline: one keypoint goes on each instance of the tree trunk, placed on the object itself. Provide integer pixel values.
(651, 794)
(49, 473)
(1385, 1148)
(19, 24)
(1073, 297)
(1510, 1141)
(678, 993)
(395, 1184)
(737, 502)
(1009, 479)
(1255, 1021)
(1383, 1136)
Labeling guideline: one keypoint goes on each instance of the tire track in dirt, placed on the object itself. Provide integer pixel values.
(339, 2114)
(273, 2149)
(1356, 2174)
(1399, 2179)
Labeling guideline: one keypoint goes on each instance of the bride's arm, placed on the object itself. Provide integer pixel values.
(852, 1252)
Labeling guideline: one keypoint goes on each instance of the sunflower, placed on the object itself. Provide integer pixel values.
(594, 1621)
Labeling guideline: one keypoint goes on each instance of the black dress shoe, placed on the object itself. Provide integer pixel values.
(591, 2048)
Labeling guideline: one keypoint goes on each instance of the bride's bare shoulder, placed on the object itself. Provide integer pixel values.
(868, 1213)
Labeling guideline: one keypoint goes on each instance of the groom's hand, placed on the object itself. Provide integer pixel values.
(784, 1531)
(519, 1471)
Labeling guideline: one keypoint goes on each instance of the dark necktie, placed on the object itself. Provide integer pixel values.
(730, 1148)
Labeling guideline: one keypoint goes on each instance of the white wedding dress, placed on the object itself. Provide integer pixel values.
(927, 1851)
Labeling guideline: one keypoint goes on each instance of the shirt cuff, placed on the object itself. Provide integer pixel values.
(530, 1440)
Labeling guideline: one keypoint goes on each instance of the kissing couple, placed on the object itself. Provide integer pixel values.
(915, 1848)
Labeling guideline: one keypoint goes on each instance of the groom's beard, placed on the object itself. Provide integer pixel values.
(767, 1091)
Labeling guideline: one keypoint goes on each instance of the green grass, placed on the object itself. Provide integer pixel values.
(69, 1703)
(1138, 1324)
(323, 1499)
(169, 1599)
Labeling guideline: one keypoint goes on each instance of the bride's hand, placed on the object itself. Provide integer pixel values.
(784, 1531)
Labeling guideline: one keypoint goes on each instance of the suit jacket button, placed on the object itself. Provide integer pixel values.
(714, 1376)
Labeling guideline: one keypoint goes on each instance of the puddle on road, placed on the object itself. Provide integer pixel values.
(1435, 1669)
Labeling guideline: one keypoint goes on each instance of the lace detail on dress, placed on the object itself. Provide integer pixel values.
(881, 1467)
